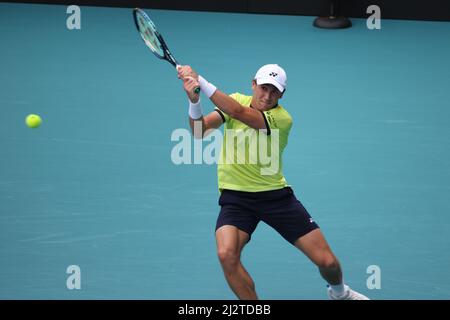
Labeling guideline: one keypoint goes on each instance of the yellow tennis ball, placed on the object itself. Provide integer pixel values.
(33, 121)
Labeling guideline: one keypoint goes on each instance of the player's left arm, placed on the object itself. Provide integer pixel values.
(251, 117)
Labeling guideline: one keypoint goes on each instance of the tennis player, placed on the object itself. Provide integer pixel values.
(252, 191)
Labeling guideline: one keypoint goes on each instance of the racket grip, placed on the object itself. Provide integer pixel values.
(197, 90)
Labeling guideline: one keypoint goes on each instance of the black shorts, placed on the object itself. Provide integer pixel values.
(280, 209)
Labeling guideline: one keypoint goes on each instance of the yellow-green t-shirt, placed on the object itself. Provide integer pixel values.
(247, 162)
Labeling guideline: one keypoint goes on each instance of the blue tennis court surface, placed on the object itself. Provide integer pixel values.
(95, 186)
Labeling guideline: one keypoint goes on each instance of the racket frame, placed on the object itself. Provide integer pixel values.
(167, 54)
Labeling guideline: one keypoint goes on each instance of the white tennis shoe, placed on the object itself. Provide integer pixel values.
(348, 294)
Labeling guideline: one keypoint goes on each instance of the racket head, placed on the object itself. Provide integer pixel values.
(151, 37)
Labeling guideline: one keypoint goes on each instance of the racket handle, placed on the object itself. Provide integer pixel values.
(196, 90)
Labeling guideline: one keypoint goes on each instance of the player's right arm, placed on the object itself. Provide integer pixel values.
(200, 125)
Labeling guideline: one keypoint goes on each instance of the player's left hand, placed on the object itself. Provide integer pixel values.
(186, 71)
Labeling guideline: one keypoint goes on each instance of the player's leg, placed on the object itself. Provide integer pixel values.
(294, 223)
(316, 248)
(235, 225)
(230, 242)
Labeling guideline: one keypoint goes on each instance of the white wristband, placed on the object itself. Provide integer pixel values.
(206, 87)
(195, 110)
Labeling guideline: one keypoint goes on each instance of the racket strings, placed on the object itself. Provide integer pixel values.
(148, 34)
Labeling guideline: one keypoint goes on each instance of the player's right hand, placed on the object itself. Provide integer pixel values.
(189, 85)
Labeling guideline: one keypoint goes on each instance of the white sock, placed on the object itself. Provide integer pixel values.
(337, 289)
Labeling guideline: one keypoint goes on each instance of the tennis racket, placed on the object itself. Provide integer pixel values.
(153, 39)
